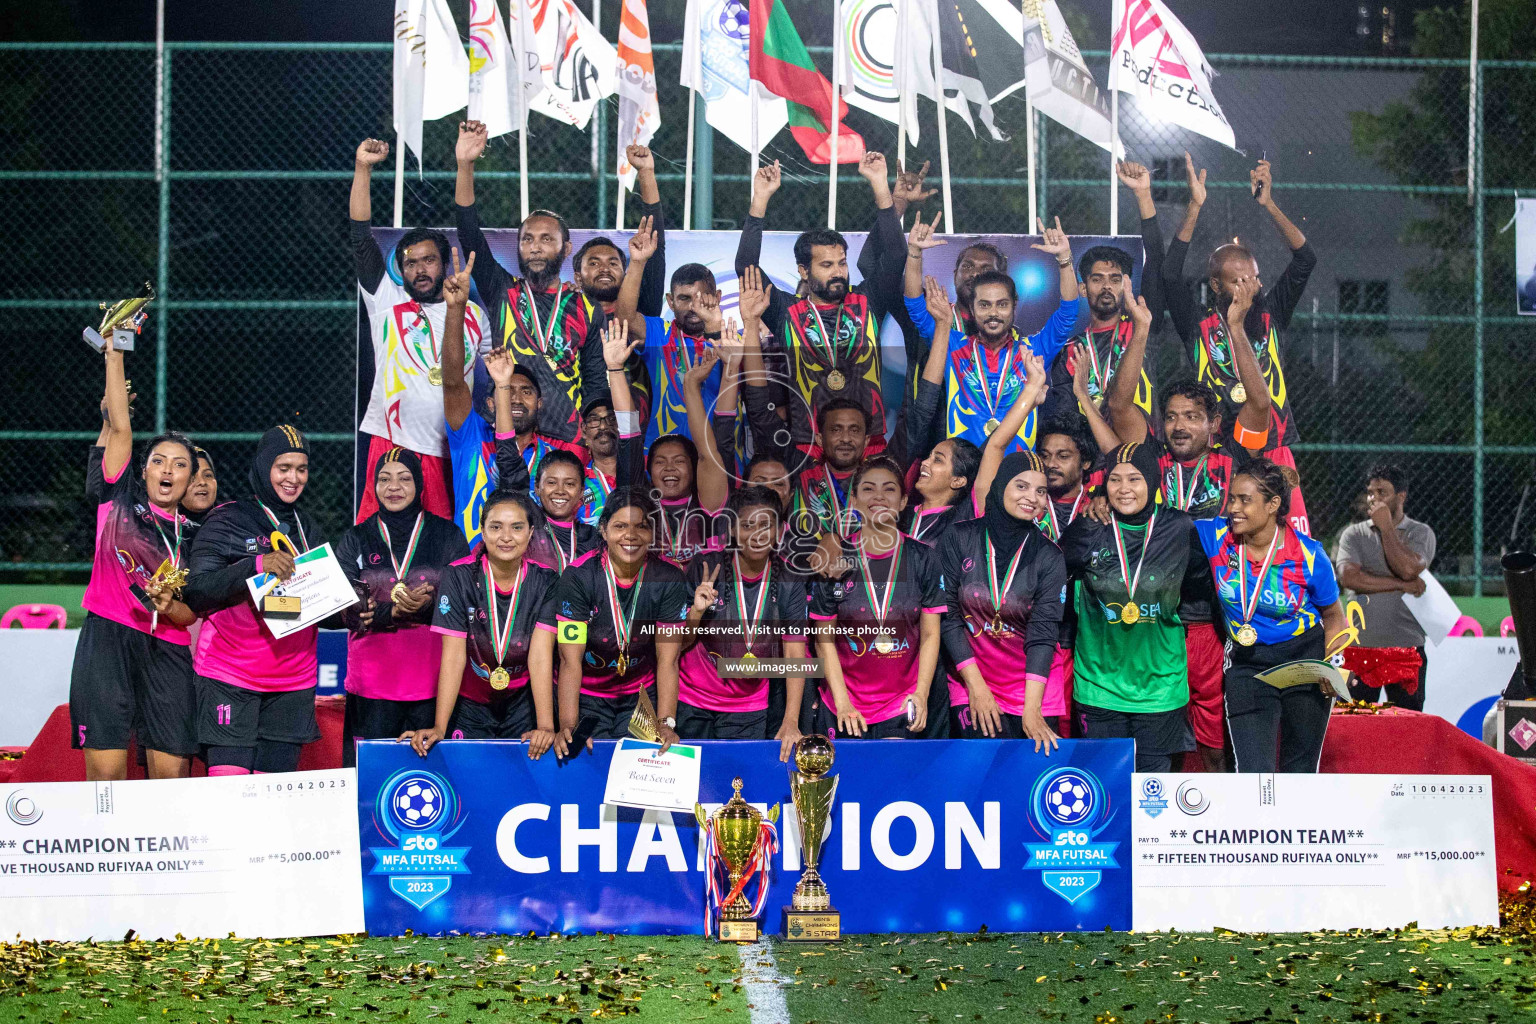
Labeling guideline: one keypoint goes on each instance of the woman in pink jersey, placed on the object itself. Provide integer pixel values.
(256, 694)
(747, 606)
(877, 626)
(132, 660)
(620, 613)
(1005, 585)
(396, 559)
(495, 613)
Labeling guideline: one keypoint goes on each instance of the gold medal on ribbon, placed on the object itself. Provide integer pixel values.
(1130, 614)
(885, 643)
(500, 678)
(997, 627)
(622, 665)
(992, 426)
(1239, 394)
(749, 656)
(501, 629)
(836, 381)
(398, 591)
(623, 627)
(880, 608)
(1246, 635)
(435, 376)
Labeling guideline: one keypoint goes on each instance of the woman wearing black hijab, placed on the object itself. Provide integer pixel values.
(1130, 674)
(256, 693)
(203, 491)
(1005, 586)
(395, 559)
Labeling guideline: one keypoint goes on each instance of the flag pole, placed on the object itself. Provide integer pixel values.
(1472, 112)
(618, 214)
(1029, 142)
(899, 79)
(1114, 138)
(688, 164)
(837, 113)
(936, 59)
(752, 91)
(399, 179)
(522, 105)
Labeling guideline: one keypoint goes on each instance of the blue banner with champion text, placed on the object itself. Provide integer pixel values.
(925, 836)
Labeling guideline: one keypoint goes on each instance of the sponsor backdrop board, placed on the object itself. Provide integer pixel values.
(1297, 853)
(925, 837)
(256, 855)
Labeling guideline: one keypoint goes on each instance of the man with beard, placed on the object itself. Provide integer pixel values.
(1067, 454)
(826, 342)
(407, 328)
(671, 349)
(984, 371)
(552, 328)
(1212, 333)
(1104, 269)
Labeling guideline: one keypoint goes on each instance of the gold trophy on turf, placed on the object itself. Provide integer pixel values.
(810, 917)
(742, 840)
(120, 322)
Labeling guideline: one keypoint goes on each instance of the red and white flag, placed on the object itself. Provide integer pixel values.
(1154, 58)
(639, 113)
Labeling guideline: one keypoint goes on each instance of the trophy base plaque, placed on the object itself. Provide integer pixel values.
(277, 607)
(738, 931)
(812, 925)
(121, 340)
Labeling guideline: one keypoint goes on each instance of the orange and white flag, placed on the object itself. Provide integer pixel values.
(639, 112)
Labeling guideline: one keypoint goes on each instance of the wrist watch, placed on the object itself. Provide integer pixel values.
(669, 722)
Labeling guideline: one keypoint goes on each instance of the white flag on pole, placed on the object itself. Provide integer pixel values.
(639, 112)
(1155, 59)
(431, 70)
(875, 82)
(490, 57)
(526, 69)
(715, 39)
(579, 66)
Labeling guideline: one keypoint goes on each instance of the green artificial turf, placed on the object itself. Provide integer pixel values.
(1105, 978)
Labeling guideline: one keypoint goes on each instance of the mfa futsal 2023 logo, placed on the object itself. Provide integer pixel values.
(418, 811)
(1069, 807)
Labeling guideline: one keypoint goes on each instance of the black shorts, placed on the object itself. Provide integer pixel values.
(610, 715)
(702, 724)
(232, 716)
(1158, 734)
(125, 681)
(824, 720)
(504, 720)
(373, 718)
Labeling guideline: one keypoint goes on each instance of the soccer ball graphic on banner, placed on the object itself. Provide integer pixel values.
(417, 802)
(1069, 800)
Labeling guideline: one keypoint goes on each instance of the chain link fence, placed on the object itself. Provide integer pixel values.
(1405, 346)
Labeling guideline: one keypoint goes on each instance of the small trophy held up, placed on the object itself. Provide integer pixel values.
(277, 604)
(168, 579)
(642, 723)
(121, 322)
(810, 917)
(743, 839)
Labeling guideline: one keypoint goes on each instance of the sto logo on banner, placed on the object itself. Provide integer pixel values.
(1071, 807)
(419, 810)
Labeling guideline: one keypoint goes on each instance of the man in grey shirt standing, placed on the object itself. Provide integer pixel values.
(1380, 559)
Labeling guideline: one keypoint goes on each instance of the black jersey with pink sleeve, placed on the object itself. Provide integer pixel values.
(654, 605)
(776, 615)
(1014, 642)
(878, 681)
(462, 610)
(133, 539)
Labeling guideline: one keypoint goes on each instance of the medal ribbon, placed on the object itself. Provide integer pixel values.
(436, 357)
(565, 559)
(749, 626)
(501, 635)
(1056, 527)
(540, 336)
(1178, 468)
(1000, 593)
(623, 628)
(278, 526)
(837, 503)
(881, 608)
(673, 544)
(1250, 606)
(404, 565)
(1125, 565)
(979, 360)
(829, 342)
(175, 552)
